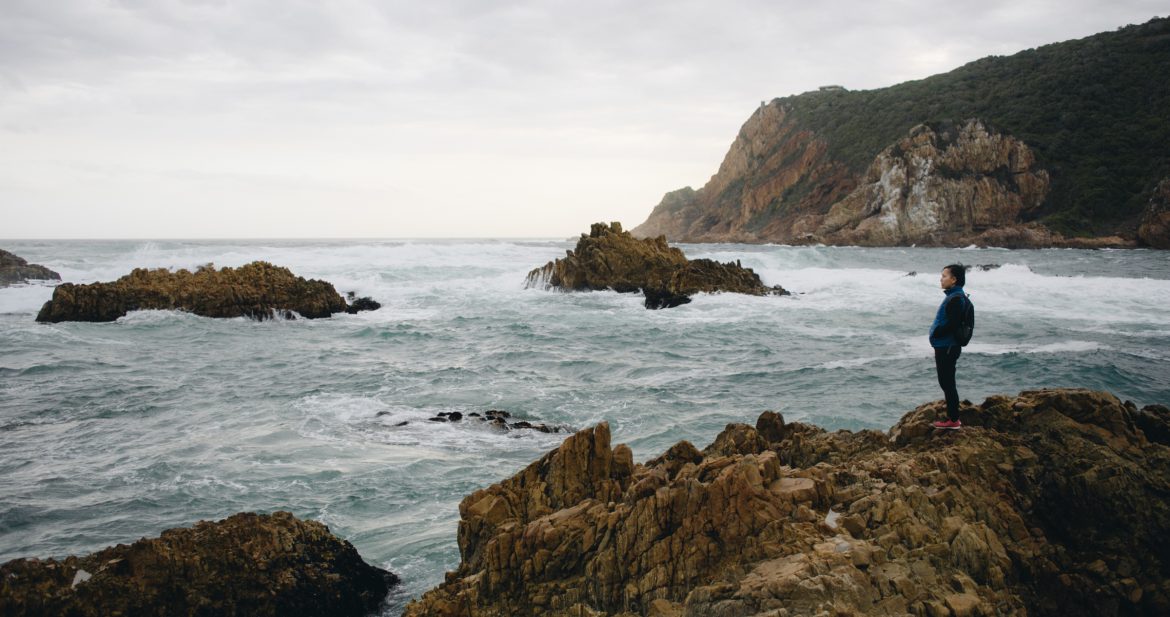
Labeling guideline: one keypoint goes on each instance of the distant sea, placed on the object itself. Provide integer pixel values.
(112, 432)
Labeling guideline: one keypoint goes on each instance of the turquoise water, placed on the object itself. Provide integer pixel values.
(111, 432)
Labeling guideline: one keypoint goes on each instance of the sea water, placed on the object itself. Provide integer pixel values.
(110, 432)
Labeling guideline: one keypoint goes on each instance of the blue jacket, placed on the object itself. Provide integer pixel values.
(942, 331)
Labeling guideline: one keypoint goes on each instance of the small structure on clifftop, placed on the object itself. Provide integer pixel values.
(610, 258)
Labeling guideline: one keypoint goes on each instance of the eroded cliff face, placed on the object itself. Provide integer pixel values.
(1155, 227)
(775, 174)
(1047, 503)
(939, 186)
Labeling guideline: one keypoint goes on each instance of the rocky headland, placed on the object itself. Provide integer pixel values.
(1052, 502)
(1009, 151)
(15, 270)
(248, 564)
(258, 290)
(611, 258)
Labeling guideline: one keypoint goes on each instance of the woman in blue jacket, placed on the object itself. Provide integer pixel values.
(942, 339)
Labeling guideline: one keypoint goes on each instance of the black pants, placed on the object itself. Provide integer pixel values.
(945, 359)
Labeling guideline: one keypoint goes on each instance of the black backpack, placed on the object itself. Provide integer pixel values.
(966, 327)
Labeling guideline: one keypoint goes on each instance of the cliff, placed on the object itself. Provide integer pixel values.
(258, 290)
(1057, 146)
(247, 564)
(1048, 503)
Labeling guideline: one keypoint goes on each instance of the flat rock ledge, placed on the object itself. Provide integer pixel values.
(258, 290)
(610, 258)
(247, 564)
(1053, 502)
(15, 270)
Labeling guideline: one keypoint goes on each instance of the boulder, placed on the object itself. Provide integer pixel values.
(247, 564)
(14, 269)
(258, 290)
(610, 258)
(1051, 502)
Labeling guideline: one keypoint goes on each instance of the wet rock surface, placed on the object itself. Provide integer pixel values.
(496, 418)
(1052, 502)
(258, 290)
(15, 270)
(247, 564)
(610, 258)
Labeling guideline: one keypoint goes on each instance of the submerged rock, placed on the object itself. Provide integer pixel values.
(1048, 503)
(247, 564)
(258, 290)
(610, 258)
(14, 270)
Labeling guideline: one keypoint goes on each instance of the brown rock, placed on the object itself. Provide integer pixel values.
(1048, 503)
(14, 269)
(247, 564)
(610, 258)
(258, 290)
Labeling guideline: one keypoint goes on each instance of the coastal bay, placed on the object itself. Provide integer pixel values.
(112, 432)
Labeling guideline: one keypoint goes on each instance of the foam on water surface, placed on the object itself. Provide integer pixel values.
(111, 432)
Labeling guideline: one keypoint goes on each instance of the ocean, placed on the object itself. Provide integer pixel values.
(116, 431)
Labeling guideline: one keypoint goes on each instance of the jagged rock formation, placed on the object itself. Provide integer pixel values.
(776, 174)
(14, 269)
(1049, 503)
(258, 290)
(1155, 228)
(248, 564)
(610, 258)
(1102, 146)
(939, 185)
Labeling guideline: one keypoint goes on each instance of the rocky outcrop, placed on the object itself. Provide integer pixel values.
(610, 258)
(247, 564)
(14, 269)
(1048, 503)
(258, 290)
(774, 177)
(1155, 228)
(940, 185)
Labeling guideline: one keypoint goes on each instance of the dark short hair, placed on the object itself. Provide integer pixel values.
(959, 271)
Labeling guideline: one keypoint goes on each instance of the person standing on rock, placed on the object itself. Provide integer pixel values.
(942, 338)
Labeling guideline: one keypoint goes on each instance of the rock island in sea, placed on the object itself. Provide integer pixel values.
(15, 270)
(258, 290)
(610, 258)
(1052, 502)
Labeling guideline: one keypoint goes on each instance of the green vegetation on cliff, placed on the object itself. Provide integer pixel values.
(1096, 112)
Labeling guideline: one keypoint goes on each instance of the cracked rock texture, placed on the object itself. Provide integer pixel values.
(248, 564)
(1052, 502)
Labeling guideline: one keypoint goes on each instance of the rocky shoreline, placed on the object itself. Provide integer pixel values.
(248, 564)
(1048, 503)
(1052, 502)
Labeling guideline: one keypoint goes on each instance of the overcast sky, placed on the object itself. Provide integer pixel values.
(364, 118)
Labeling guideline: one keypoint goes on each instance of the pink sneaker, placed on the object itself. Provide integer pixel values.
(951, 424)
